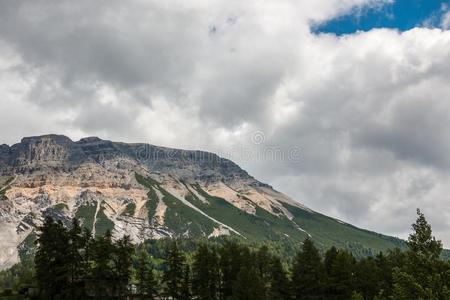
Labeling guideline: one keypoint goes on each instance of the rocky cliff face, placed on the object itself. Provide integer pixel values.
(56, 153)
(146, 192)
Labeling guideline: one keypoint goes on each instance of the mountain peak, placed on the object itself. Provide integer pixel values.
(90, 139)
(47, 137)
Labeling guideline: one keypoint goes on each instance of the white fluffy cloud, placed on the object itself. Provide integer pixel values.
(369, 111)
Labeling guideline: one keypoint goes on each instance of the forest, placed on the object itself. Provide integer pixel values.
(69, 263)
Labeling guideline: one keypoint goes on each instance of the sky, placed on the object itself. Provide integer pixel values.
(341, 104)
(400, 14)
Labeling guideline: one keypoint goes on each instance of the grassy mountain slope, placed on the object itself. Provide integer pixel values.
(327, 232)
(263, 225)
(181, 219)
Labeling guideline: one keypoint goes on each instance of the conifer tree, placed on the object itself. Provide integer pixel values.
(233, 257)
(340, 276)
(368, 278)
(123, 250)
(174, 271)
(422, 242)
(248, 285)
(76, 260)
(262, 260)
(205, 273)
(186, 283)
(308, 273)
(279, 288)
(424, 275)
(330, 257)
(103, 273)
(51, 258)
(146, 282)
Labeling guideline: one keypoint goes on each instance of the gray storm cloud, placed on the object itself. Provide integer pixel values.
(368, 111)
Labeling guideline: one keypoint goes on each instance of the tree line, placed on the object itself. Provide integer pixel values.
(71, 264)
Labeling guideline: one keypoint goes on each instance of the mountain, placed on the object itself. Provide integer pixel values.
(151, 192)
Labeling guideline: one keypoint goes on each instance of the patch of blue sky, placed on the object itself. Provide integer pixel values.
(398, 14)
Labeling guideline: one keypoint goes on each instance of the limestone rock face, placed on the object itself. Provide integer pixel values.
(95, 181)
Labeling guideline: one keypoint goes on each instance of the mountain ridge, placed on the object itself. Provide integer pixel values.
(147, 192)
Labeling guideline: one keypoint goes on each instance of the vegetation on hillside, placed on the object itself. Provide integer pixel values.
(4, 183)
(261, 226)
(71, 264)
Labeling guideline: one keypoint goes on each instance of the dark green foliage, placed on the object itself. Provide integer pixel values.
(368, 278)
(233, 256)
(89, 219)
(327, 232)
(308, 273)
(86, 213)
(186, 283)
(2, 194)
(206, 273)
(147, 284)
(340, 275)
(76, 259)
(130, 209)
(153, 200)
(71, 264)
(421, 242)
(19, 275)
(26, 248)
(279, 285)
(260, 226)
(4, 185)
(424, 275)
(248, 285)
(102, 271)
(174, 277)
(262, 259)
(102, 223)
(60, 206)
(52, 254)
(122, 264)
(183, 220)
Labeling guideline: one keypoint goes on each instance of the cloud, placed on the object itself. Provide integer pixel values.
(445, 23)
(353, 126)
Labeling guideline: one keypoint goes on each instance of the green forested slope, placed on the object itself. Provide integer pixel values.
(263, 226)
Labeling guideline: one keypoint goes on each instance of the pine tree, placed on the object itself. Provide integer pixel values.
(123, 262)
(103, 273)
(279, 288)
(262, 260)
(340, 276)
(146, 282)
(248, 285)
(308, 273)
(174, 271)
(186, 283)
(424, 275)
(76, 260)
(51, 258)
(330, 257)
(233, 257)
(422, 242)
(406, 287)
(368, 278)
(205, 273)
